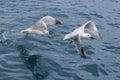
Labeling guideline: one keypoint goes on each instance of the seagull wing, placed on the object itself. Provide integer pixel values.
(91, 27)
(48, 20)
(78, 44)
(40, 25)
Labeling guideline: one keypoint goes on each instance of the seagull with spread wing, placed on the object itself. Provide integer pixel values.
(40, 27)
(79, 34)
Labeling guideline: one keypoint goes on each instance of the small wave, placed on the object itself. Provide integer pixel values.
(96, 15)
(94, 69)
(117, 25)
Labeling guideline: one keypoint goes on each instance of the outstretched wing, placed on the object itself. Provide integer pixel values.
(91, 27)
(40, 25)
(79, 47)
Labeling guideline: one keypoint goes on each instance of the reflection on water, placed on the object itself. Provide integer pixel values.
(31, 63)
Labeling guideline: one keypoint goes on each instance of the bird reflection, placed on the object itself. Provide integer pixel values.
(32, 63)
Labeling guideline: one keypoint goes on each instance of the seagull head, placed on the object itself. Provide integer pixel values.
(58, 22)
(87, 35)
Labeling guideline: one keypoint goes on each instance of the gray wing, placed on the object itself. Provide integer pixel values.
(78, 44)
(48, 20)
(91, 27)
(40, 25)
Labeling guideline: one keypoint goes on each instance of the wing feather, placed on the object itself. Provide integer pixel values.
(40, 25)
(91, 27)
(79, 47)
(48, 20)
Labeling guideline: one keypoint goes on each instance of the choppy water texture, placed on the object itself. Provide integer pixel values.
(43, 58)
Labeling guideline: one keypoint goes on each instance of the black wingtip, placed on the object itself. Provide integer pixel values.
(83, 54)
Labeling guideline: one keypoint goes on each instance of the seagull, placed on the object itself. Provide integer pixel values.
(40, 27)
(79, 34)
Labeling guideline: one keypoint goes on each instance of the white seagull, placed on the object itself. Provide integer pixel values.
(40, 27)
(79, 34)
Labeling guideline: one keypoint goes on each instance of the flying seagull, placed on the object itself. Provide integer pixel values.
(79, 34)
(40, 27)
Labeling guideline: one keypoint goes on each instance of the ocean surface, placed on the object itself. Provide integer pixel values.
(42, 58)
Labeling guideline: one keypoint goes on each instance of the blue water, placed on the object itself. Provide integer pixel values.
(43, 58)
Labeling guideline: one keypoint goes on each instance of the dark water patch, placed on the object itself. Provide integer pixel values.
(117, 25)
(2, 31)
(76, 77)
(9, 78)
(52, 64)
(53, 9)
(67, 69)
(31, 63)
(115, 71)
(89, 52)
(41, 70)
(58, 79)
(103, 65)
(115, 1)
(23, 52)
(70, 75)
(112, 48)
(43, 41)
(75, 3)
(18, 78)
(3, 40)
(61, 15)
(84, 15)
(93, 69)
(11, 70)
(96, 15)
(65, 74)
(118, 77)
(117, 64)
(103, 71)
(2, 74)
(11, 58)
(6, 45)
